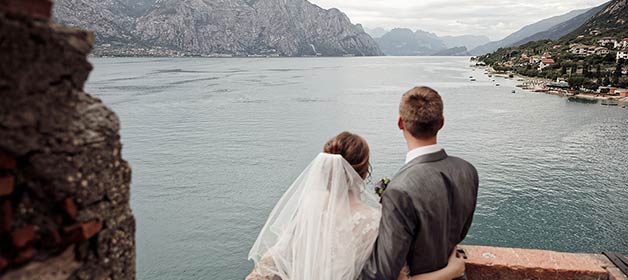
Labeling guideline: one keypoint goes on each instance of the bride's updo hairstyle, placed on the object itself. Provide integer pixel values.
(353, 148)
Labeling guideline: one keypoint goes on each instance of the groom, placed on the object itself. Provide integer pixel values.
(428, 206)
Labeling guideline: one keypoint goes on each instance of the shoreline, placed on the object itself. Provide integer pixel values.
(540, 85)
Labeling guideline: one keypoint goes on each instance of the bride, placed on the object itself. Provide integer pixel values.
(325, 225)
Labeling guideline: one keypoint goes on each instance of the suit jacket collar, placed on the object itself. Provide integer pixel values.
(437, 156)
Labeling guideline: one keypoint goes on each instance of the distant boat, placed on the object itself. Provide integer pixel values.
(497, 84)
(472, 80)
(514, 91)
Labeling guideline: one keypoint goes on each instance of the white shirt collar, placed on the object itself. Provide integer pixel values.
(420, 151)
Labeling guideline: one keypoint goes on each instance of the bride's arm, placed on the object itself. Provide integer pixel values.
(454, 269)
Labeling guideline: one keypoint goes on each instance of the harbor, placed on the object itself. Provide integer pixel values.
(607, 96)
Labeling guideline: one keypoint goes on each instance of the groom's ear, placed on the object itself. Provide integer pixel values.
(442, 123)
(400, 123)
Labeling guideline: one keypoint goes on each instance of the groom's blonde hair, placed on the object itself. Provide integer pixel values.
(421, 111)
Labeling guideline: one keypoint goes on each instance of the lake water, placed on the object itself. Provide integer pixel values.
(215, 142)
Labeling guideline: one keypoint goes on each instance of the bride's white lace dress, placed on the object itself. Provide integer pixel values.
(323, 228)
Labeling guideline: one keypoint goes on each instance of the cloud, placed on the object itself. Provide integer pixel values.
(495, 19)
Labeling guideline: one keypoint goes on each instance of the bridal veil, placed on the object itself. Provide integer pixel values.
(322, 228)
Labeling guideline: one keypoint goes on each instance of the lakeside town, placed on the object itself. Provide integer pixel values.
(610, 96)
(587, 66)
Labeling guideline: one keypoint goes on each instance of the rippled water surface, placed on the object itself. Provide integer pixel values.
(214, 143)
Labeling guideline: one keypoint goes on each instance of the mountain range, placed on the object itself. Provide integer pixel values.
(278, 28)
(225, 27)
(403, 41)
(591, 56)
(552, 28)
(610, 21)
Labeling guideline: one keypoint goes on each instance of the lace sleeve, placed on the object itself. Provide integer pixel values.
(263, 270)
(365, 227)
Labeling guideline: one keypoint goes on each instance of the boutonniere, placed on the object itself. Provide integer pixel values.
(381, 186)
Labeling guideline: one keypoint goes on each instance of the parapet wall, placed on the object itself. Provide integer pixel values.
(510, 263)
(64, 187)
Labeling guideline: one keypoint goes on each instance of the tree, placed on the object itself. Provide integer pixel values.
(617, 74)
(576, 82)
(598, 73)
(618, 69)
(607, 81)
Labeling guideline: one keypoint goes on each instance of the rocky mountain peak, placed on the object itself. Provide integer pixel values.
(225, 27)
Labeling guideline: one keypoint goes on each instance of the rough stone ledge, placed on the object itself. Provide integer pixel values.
(38, 9)
(512, 263)
(64, 186)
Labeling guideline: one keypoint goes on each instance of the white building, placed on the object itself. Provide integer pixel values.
(601, 51)
(535, 59)
(546, 62)
(623, 54)
(579, 49)
(607, 41)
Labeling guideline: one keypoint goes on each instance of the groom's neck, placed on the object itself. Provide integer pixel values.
(414, 143)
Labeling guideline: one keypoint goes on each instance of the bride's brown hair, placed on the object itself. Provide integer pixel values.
(353, 148)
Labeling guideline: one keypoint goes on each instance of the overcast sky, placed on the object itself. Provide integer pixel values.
(496, 18)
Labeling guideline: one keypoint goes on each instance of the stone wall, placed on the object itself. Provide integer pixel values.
(64, 187)
(510, 263)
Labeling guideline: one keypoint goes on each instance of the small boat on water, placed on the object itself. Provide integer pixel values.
(609, 104)
(514, 91)
(472, 79)
(497, 84)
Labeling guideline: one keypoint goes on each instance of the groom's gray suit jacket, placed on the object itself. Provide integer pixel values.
(427, 210)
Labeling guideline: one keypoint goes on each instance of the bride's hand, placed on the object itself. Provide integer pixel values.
(456, 264)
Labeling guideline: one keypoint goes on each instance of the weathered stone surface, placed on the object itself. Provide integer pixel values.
(62, 148)
(70, 208)
(6, 216)
(510, 263)
(33, 8)
(7, 162)
(614, 273)
(7, 183)
(22, 236)
(56, 268)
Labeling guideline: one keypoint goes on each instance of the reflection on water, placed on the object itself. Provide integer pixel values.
(583, 100)
(215, 142)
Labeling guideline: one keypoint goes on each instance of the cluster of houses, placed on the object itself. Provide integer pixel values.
(604, 47)
(543, 61)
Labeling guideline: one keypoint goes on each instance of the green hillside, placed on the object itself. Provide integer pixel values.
(594, 55)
